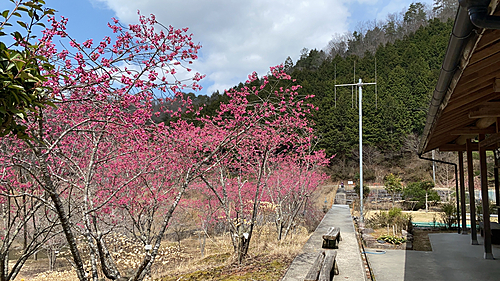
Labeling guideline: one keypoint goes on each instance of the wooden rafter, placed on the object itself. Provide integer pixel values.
(491, 140)
(473, 131)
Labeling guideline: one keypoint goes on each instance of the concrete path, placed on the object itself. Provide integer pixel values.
(348, 254)
(452, 258)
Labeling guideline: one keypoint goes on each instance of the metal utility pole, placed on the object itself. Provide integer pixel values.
(360, 109)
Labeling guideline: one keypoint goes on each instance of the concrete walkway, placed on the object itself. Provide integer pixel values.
(348, 255)
(452, 258)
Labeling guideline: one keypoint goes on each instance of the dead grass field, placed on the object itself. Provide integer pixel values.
(268, 260)
(417, 216)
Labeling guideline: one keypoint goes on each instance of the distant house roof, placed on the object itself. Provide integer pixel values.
(466, 100)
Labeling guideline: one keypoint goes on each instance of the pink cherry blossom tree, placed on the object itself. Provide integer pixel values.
(24, 217)
(97, 159)
(294, 179)
(99, 163)
(262, 121)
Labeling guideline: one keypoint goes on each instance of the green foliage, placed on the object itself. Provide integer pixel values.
(21, 90)
(395, 212)
(392, 184)
(407, 70)
(415, 193)
(479, 209)
(449, 214)
(394, 217)
(366, 190)
(392, 239)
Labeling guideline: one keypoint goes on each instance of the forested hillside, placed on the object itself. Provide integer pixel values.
(403, 54)
(406, 71)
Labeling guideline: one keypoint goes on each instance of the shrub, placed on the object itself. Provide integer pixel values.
(394, 217)
(414, 194)
(392, 239)
(448, 215)
(366, 190)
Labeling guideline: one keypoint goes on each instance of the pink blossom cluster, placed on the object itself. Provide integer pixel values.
(102, 164)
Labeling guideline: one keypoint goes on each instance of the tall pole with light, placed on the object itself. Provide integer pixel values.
(360, 85)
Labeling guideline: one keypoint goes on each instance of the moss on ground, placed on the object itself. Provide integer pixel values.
(258, 268)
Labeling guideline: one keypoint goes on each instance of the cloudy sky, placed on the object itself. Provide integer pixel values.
(238, 36)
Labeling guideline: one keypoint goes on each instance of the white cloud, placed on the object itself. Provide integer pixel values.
(240, 37)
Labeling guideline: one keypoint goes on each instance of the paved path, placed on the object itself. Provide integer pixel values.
(348, 254)
(452, 258)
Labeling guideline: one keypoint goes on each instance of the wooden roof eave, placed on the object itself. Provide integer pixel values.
(461, 46)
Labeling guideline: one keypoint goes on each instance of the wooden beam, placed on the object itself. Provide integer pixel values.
(463, 138)
(488, 109)
(491, 140)
(473, 131)
(485, 113)
(456, 147)
(490, 37)
(486, 122)
(484, 79)
(496, 85)
(447, 124)
(485, 64)
(487, 50)
(471, 99)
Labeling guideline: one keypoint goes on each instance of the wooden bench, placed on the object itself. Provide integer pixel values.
(324, 267)
(332, 238)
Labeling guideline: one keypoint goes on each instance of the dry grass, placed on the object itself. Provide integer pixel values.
(268, 259)
(417, 216)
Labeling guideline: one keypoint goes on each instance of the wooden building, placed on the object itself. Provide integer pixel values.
(464, 114)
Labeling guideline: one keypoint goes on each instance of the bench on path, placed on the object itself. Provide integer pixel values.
(324, 267)
(332, 238)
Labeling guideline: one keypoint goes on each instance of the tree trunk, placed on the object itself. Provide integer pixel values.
(63, 218)
(51, 256)
(145, 267)
(426, 206)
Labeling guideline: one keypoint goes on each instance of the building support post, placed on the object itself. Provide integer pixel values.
(458, 204)
(488, 254)
(462, 191)
(497, 187)
(472, 199)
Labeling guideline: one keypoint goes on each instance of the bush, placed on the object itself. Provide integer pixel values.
(479, 209)
(448, 216)
(366, 190)
(414, 195)
(392, 239)
(369, 175)
(395, 212)
(394, 217)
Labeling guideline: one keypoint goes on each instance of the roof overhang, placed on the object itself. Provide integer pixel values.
(466, 100)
